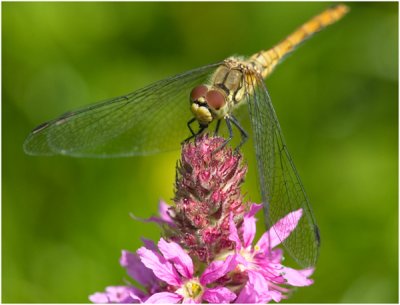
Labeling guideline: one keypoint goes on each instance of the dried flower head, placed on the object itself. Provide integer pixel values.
(207, 191)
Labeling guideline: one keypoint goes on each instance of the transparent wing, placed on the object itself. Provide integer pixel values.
(281, 189)
(147, 121)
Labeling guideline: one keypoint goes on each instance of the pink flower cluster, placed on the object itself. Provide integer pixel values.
(208, 253)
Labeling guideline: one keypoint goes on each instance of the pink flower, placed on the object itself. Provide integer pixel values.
(117, 294)
(207, 253)
(262, 263)
(175, 267)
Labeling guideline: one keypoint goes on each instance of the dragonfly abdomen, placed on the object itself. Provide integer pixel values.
(270, 58)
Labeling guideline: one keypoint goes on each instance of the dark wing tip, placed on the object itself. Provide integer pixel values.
(34, 144)
(317, 235)
(40, 128)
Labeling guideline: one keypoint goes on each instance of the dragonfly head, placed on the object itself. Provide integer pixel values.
(206, 104)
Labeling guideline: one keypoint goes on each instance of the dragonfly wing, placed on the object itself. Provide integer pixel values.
(146, 121)
(281, 189)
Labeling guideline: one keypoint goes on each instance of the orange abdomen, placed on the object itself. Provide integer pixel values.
(270, 58)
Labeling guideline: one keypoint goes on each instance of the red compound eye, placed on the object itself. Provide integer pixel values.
(198, 92)
(215, 99)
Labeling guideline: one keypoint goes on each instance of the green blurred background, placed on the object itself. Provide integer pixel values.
(65, 220)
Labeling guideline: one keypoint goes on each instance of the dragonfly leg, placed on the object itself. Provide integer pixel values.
(243, 132)
(217, 127)
(194, 134)
(228, 124)
(190, 127)
(191, 130)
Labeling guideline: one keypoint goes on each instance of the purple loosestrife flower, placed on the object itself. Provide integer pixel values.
(207, 253)
(262, 263)
(175, 267)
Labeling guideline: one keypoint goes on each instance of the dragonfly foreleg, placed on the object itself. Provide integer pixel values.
(194, 134)
(228, 124)
(217, 127)
(243, 132)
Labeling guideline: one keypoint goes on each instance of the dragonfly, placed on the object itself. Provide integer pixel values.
(148, 120)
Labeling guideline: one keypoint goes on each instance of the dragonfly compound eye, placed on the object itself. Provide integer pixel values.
(215, 99)
(197, 92)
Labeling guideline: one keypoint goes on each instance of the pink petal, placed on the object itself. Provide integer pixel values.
(136, 269)
(272, 272)
(163, 208)
(249, 225)
(160, 266)
(296, 277)
(256, 289)
(175, 254)
(258, 281)
(233, 233)
(280, 230)
(276, 255)
(254, 208)
(118, 294)
(121, 294)
(155, 219)
(218, 269)
(219, 295)
(307, 272)
(164, 298)
(149, 244)
(163, 219)
(138, 296)
(249, 230)
(265, 257)
(263, 243)
(276, 295)
(99, 298)
(240, 259)
(246, 295)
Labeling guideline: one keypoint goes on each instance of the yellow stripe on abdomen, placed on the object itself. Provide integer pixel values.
(270, 58)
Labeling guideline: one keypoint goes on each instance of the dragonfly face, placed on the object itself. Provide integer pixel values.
(207, 103)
